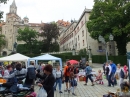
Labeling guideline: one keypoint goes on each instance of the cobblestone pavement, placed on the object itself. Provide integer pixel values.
(87, 91)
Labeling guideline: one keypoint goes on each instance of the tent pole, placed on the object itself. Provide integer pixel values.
(60, 64)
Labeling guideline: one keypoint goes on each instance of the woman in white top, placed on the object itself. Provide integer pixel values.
(58, 76)
(7, 72)
(118, 71)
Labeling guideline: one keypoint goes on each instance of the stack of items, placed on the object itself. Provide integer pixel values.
(81, 75)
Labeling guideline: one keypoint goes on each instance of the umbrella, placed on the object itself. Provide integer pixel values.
(73, 61)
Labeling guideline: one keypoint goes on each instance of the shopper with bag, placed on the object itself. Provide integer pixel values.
(47, 83)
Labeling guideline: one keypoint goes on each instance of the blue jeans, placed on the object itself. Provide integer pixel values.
(59, 82)
(110, 78)
(115, 82)
(89, 77)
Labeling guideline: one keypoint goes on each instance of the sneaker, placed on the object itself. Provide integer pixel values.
(65, 90)
(92, 85)
(74, 94)
(60, 92)
(102, 83)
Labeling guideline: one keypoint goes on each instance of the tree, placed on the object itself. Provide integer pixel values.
(1, 12)
(111, 17)
(29, 36)
(2, 41)
(50, 35)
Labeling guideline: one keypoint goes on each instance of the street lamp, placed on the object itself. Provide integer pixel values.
(111, 37)
(89, 53)
(89, 49)
(73, 51)
(101, 39)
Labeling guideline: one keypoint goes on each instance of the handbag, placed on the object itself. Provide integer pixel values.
(42, 92)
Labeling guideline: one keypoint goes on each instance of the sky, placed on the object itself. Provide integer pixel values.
(48, 10)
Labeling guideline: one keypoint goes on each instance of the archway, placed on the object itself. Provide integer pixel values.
(4, 53)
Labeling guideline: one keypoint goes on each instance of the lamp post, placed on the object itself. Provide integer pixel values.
(89, 49)
(73, 51)
(90, 58)
(101, 39)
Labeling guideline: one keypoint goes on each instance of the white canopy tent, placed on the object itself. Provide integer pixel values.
(46, 57)
(15, 57)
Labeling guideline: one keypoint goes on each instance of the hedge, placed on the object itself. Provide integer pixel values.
(116, 59)
(95, 58)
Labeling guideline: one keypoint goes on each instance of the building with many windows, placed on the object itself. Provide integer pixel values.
(77, 37)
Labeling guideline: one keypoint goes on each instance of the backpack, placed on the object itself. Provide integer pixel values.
(31, 73)
(122, 74)
(107, 71)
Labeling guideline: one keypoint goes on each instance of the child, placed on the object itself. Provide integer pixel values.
(99, 77)
(73, 83)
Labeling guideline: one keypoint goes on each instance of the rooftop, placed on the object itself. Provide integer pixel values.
(63, 23)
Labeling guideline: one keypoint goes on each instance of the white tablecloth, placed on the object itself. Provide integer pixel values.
(83, 73)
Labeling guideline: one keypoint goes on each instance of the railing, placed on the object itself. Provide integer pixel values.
(57, 52)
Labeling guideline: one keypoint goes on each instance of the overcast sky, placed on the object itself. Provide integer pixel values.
(48, 10)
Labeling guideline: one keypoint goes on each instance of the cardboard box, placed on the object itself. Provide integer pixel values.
(82, 78)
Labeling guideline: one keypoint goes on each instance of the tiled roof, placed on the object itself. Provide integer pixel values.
(1, 24)
(63, 23)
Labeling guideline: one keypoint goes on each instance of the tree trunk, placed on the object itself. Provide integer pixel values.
(121, 44)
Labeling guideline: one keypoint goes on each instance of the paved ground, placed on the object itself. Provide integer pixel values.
(87, 91)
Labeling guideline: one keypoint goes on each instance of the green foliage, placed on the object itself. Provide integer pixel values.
(1, 12)
(29, 36)
(111, 16)
(82, 52)
(50, 35)
(2, 40)
(116, 59)
(95, 58)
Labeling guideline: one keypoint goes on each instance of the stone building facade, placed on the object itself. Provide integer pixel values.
(77, 37)
(12, 24)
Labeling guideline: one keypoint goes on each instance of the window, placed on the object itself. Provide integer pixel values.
(83, 33)
(100, 47)
(78, 37)
(83, 42)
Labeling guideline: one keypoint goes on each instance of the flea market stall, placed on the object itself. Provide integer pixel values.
(15, 57)
(46, 57)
